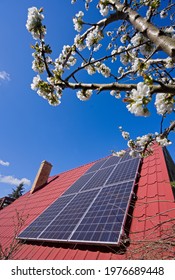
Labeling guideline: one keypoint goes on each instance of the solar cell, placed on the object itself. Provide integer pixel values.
(104, 221)
(98, 179)
(124, 171)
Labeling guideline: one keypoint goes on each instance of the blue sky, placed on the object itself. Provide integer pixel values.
(69, 135)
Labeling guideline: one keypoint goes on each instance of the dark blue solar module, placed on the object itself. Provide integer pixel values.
(113, 160)
(63, 225)
(93, 209)
(76, 187)
(96, 166)
(124, 171)
(99, 178)
(38, 225)
(103, 222)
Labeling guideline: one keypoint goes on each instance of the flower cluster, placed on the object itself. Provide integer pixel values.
(47, 90)
(93, 38)
(78, 21)
(104, 6)
(115, 93)
(164, 103)
(146, 48)
(119, 154)
(79, 42)
(65, 60)
(103, 69)
(142, 145)
(84, 95)
(138, 99)
(91, 69)
(38, 63)
(34, 23)
(125, 134)
(163, 141)
(140, 67)
(138, 62)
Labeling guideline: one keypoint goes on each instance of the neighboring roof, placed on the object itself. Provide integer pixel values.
(152, 218)
(5, 201)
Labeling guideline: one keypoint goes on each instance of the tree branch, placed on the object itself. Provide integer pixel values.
(116, 86)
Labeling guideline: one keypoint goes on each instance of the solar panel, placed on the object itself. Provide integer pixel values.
(99, 178)
(111, 161)
(96, 166)
(124, 171)
(93, 209)
(76, 187)
(63, 225)
(38, 225)
(104, 220)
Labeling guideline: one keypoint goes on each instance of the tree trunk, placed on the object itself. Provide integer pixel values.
(156, 36)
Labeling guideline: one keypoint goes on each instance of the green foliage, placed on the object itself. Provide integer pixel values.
(16, 193)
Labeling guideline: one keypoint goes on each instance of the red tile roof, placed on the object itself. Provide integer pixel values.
(152, 218)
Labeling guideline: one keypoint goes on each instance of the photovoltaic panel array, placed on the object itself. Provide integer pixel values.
(93, 209)
(104, 219)
(44, 220)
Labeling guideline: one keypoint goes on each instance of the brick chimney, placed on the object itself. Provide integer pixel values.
(42, 176)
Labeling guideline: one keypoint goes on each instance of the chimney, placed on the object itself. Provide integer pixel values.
(42, 176)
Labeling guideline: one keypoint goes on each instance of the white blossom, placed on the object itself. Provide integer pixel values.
(124, 58)
(142, 91)
(139, 66)
(140, 142)
(138, 98)
(115, 93)
(78, 22)
(169, 29)
(137, 109)
(79, 43)
(90, 69)
(163, 14)
(125, 135)
(124, 38)
(93, 38)
(133, 153)
(169, 62)
(34, 23)
(104, 70)
(84, 95)
(35, 83)
(119, 154)
(120, 70)
(104, 7)
(164, 103)
(137, 39)
(163, 141)
(114, 53)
